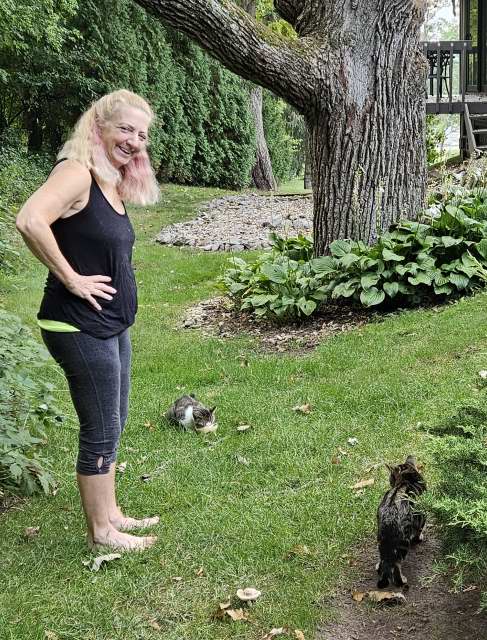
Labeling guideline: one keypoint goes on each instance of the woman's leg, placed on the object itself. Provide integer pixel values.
(92, 369)
(117, 518)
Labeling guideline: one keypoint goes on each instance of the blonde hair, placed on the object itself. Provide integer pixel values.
(135, 181)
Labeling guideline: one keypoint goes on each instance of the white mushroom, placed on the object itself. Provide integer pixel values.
(249, 593)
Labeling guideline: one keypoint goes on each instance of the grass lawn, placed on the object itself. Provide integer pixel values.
(238, 522)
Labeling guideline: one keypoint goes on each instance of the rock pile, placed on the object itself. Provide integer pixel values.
(234, 223)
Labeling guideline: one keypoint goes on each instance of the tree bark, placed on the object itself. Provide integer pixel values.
(308, 183)
(367, 143)
(262, 174)
(357, 75)
(34, 132)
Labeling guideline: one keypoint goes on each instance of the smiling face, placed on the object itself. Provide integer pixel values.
(125, 135)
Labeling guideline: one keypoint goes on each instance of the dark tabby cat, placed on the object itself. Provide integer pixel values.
(189, 413)
(399, 524)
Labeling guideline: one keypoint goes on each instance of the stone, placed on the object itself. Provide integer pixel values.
(236, 223)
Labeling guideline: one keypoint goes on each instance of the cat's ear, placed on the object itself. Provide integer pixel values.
(213, 409)
(191, 395)
(389, 467)
(412, 461)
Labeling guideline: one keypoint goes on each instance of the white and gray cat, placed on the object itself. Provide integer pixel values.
(189, 413)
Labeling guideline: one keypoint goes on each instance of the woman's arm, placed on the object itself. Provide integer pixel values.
(66, 187)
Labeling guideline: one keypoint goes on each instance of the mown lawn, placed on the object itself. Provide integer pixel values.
(237, 522)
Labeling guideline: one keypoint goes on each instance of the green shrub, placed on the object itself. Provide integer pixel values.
(274, 286)
(283, 148)
(459, 498)
(25, 409)
(444, 255)
(299, 248)
(20, 175)
(280, 284)
(412, 262)
(435, 138)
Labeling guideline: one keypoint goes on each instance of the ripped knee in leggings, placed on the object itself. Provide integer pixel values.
(90, 464)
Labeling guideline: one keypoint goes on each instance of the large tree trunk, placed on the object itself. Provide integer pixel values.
(367, 142)
(308, 183)
(34, 132)
(262, 173)
(357, 75)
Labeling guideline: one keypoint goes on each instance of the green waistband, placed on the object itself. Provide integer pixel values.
(55, 325)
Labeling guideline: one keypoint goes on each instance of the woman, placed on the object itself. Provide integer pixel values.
(77, 225)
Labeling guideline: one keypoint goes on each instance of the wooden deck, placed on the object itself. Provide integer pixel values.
(477, 103)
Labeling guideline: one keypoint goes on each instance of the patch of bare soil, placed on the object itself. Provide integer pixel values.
(8, 502)
(218, 316)
(431, 610)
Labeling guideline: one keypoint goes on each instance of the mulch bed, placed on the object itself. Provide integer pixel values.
(219, 317)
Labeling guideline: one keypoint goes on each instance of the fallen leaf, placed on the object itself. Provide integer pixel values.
(342, 452)
(50, 635)
(236, 614)
(363, 483)
(149, 425)
(224, 605)
(243, 460)
(299, 550)
(274, 632)
(304, 408)
(31, 532)
(200, 572)
(249, 593)
(244, 427)
(94, 565)
(121, 467)
(177, 578)
(472, 587)
(358, 596)
(387, 597)
(336, 460)
(483, 374)
(299, 634)
(155, 625)
(352, 441)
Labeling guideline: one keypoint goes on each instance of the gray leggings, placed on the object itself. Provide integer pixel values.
(98, 375)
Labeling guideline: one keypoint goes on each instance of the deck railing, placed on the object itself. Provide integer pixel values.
(447, 66)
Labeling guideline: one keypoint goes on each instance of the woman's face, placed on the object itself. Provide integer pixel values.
(125, 135)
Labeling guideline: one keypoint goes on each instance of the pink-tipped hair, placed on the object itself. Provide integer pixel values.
(135, 181)
(139, 184)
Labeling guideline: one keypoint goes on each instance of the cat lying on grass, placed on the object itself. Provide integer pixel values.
(399, 525)
(188, 413)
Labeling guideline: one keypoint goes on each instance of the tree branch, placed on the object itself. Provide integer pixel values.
(244, 46)
(289, 10)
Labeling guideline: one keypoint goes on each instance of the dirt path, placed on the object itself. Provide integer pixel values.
(431, 611)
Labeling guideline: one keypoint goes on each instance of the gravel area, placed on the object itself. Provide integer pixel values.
(235, 223)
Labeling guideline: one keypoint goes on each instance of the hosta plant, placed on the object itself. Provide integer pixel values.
(274, 286)
(410, 263)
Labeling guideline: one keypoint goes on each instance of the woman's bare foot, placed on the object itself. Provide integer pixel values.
(116, 540)
(123, 523)
(128, 524)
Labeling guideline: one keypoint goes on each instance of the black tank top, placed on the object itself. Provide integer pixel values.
(95, 241)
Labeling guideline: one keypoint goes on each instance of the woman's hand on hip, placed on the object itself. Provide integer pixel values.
(91, 287)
